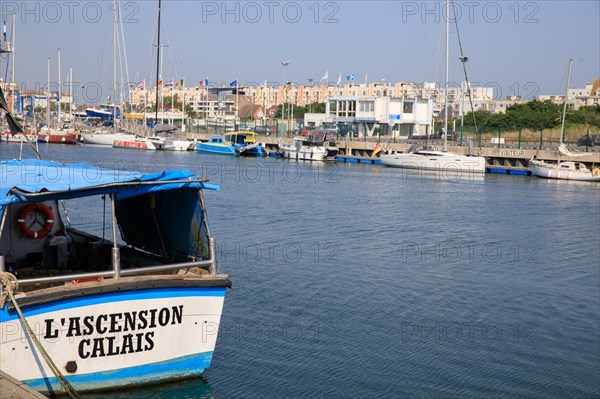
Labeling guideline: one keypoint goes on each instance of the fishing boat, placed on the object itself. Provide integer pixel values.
(429, 159)
(565, 170)
(138, 309)
(235, 143)
(313, 147)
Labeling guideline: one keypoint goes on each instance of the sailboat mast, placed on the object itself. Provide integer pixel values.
(446, 76)
(12, 73)
(157, 63)
(562, 123)
(48, 97)
(114, 106)
(59, 91)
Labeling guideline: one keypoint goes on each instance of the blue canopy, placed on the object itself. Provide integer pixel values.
(47, 180)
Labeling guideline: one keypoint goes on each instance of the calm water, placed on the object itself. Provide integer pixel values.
(359, 281)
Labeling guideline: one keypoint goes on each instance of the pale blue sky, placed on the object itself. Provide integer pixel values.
(521, 47)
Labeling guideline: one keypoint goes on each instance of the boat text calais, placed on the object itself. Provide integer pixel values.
(107, 313)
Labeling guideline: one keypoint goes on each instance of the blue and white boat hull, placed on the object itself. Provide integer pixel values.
(114, 338)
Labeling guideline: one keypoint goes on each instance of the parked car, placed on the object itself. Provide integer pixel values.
(262, 130)
(592, 140)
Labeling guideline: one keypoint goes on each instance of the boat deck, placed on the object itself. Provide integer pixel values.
(11, 388)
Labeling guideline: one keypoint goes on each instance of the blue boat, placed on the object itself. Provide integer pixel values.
(106, 111)
(235, 143)
(141, 307)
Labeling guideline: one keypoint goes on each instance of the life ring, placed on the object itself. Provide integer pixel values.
(36, 208)
(596, 172)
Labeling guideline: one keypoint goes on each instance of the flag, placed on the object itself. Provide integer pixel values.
(140, 85)
(179, 83)
(234, 83)
(289, 86)
(350, 77)
(159, 84)
(169, 83)
(201, 83)
(326, 76)
(339, 81)
(376, 150)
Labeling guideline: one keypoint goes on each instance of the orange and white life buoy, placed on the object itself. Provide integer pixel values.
(596, 172)
(36, 210)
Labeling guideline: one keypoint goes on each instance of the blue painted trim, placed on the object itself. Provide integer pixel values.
(124, 296)
(214, 149)
(186, 366)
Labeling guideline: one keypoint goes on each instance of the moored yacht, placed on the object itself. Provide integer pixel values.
(313, 147)
(427, 158)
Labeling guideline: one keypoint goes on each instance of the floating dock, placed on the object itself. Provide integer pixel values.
(11, 388)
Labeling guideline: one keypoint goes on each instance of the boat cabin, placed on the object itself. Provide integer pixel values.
(239, 138)
(134, 223)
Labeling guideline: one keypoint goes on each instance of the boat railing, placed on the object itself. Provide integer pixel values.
(117, 272)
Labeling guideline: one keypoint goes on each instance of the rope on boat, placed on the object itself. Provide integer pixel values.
(9, 284)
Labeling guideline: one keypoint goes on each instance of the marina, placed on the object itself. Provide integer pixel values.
(218, 222)
(457, 304)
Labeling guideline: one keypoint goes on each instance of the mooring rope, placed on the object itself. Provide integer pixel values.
(9, 283)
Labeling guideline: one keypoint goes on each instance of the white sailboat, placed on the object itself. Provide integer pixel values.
(565, 170)
(430, 159)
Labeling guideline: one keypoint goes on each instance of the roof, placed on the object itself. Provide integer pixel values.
(38, 180)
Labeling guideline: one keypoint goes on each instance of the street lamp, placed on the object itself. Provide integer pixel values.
(283, 64)
(310, 80)
(462, 59)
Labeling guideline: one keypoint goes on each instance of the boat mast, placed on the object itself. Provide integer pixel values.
(157, 63)
(562, 123)
(114, 106)
(12, 73)
(446, 77)
(48, 99)
(58, 94)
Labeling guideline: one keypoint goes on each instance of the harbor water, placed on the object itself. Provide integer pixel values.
(360, 281)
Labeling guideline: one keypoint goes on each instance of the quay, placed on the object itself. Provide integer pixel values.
(11, 388)
(503, 159)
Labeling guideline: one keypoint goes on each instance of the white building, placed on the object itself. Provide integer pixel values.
(395, 116)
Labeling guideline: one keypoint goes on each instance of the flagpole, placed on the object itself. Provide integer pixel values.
(237, 84)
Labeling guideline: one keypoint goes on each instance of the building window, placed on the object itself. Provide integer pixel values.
(366, 106)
